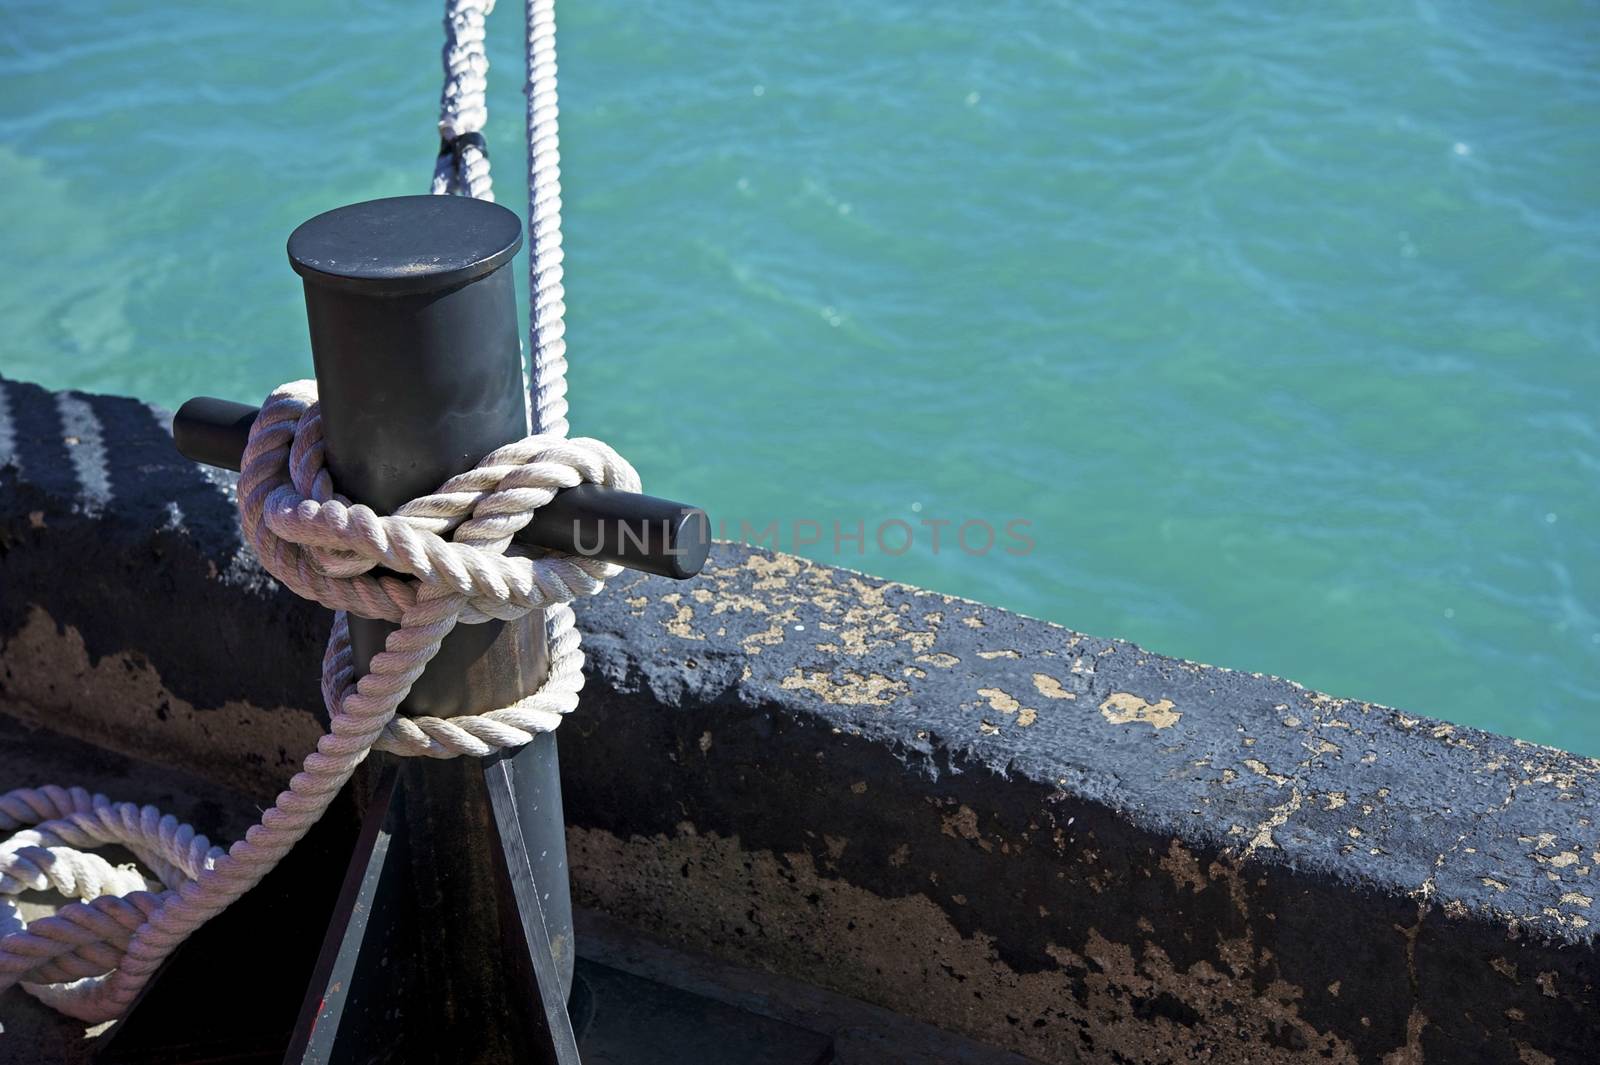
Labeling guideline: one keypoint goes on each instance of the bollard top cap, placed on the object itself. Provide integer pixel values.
(405, 244)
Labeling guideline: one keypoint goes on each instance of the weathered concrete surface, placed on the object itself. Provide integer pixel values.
(860, 1033)
(130, 613)
(1063, 845)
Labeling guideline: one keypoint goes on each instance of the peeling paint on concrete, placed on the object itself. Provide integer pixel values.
(1122, 708)
(1050, 688)
(851, 689)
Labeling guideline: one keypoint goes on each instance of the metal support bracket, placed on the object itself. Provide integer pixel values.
(395, 983)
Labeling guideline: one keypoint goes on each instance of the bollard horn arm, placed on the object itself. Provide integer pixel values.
(640, 532)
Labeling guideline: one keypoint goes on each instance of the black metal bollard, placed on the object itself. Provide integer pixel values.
(414, 337)
(415, 342)
(450, 939)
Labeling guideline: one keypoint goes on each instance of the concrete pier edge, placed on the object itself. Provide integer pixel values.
(1058, 844)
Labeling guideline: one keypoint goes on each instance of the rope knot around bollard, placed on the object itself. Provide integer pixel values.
(439, 560)
(354, 560)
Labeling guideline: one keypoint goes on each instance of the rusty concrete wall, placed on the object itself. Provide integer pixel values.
(1064, 845)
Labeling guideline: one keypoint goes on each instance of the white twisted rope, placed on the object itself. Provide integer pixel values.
(547, 307)
(463, 169)
(546, 297)
(91, 958)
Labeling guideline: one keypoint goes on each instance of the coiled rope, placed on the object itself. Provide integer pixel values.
(450, 560)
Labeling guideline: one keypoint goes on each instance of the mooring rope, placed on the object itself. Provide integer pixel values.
(448, 562)
(547, 328)
(547, 307)
(92, 957)
(463, 112)
(462, 168)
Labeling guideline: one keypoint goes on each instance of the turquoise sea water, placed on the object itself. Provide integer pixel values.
(1280, 329)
